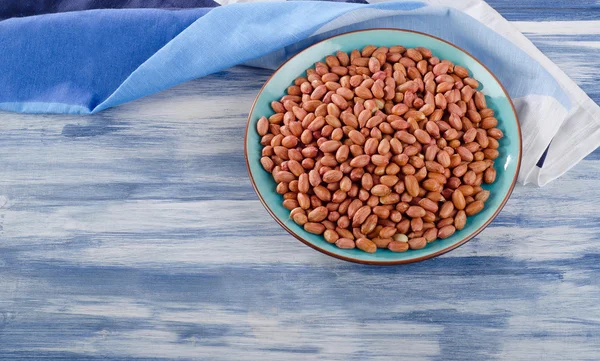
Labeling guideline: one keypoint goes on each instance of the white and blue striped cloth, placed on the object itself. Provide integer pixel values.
(84, 62)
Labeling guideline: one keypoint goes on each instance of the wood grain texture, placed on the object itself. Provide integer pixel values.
(134, 234)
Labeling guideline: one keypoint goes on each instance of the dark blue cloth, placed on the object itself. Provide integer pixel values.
(19, 8)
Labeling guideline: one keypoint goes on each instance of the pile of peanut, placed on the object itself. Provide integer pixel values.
(382, 148)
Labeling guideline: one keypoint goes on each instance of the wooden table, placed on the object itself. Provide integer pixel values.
(135, 234)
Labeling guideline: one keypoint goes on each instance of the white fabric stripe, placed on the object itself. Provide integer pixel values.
(540, 118)
(577, 137)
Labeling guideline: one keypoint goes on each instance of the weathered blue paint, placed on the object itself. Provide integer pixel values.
(134, 234)
(547, 10)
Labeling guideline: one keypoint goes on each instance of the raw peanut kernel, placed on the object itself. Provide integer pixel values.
(345, 243)
(380, 190)
(458, 199)
(474, 208)
(382, 148)
(446, 231)
(417, 243)
(316, 228)
(412, 185)
(396, 246)
(415, 212)
(460, 220)
(331, 236)
(318, 214)
(366, 245)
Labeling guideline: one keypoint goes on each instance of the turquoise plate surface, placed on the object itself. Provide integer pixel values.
(507, 164)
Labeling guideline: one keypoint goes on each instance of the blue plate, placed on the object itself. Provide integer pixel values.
(507, 164)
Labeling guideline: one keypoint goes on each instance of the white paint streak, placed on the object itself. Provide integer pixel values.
(588, 27)
(114, 307)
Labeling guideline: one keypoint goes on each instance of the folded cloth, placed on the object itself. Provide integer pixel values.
(87, 61)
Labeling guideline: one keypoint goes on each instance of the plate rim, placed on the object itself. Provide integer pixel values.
(375, 262)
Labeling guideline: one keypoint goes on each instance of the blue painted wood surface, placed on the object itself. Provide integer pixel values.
(134, 234)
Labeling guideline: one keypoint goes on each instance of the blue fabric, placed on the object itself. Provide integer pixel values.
(82, 62)
(72, 62)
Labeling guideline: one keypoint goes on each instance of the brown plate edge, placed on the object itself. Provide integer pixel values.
(386, 263)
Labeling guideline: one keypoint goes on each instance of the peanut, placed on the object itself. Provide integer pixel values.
(417, 243)
(331, 236)
(431, 234)
(318, 214)
(458, 199)
(460, 220)
(345, 243)
(316, 228)
(474, 208)
(482, 196)
(396, 246)
(446, 231)
(366, 245)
